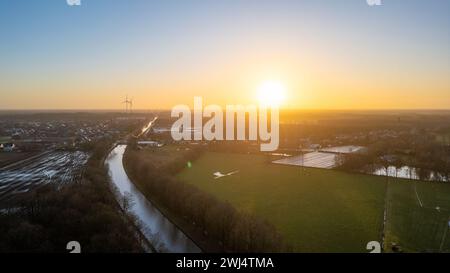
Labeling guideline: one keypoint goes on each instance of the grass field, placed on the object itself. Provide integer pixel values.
(414, 221)
(316, 211)
(319, 210)
(443, 138)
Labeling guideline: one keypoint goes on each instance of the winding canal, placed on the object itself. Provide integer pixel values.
(160, 231)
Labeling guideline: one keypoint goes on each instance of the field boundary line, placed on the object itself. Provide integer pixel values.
(417, 196)
(385, 215)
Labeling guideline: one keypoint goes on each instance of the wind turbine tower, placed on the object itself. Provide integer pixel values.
(127, 102)
(131, 105)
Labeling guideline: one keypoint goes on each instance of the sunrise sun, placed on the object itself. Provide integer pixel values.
(271, 93)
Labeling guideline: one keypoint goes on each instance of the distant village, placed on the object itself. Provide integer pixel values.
(22, 136)
(393, 148)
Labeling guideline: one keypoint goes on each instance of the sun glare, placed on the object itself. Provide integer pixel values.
(271, 93)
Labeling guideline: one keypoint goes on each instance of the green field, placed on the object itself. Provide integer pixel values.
(414, 222)
(319, 210)
(443, 138)
(316, 211)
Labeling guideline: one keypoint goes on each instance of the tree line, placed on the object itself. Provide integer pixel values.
(421, 152)
(220, 222)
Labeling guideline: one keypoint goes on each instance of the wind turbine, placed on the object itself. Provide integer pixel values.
(126, 101)
(131, 105)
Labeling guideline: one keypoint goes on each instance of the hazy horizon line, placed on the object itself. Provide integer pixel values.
(169, 109)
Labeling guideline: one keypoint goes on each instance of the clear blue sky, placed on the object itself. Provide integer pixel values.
(56, 56)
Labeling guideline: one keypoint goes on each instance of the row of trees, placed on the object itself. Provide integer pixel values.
(46, 219)
(232, 230)
(422, 153)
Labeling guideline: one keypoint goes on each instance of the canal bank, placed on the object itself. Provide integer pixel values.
(164, 235)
